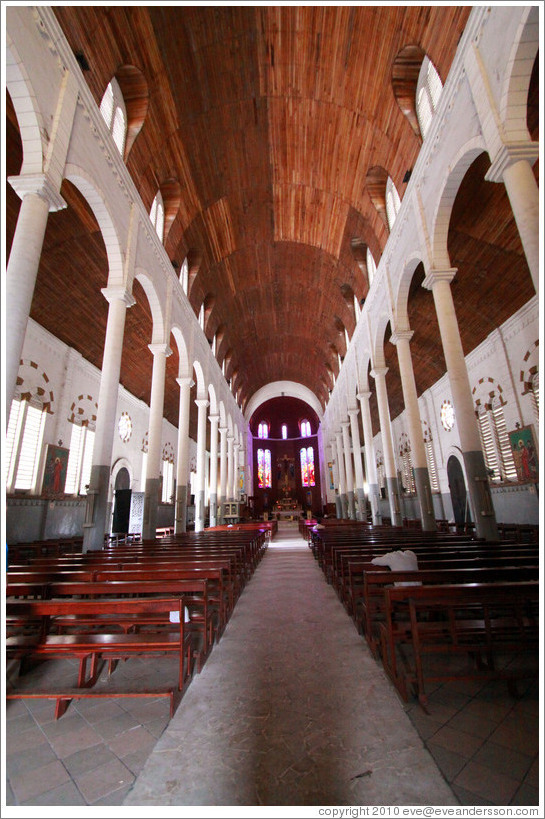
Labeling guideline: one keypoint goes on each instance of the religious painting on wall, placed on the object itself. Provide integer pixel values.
(56, 464)
(524, 453)
(331, 482)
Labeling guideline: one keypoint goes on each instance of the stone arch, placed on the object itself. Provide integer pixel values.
(171, 193)
(183, 352)
(200, 380)
(401, 306)
(276, 388)
(379, 330)
(33, 385)
(485, 391)
(121, 463)
(212, 397)
(26, 108)
(531, 366)
(441, 220)
(83, 182)
(159, 330)
(520, 64)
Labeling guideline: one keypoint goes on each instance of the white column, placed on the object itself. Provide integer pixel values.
(182, 471)
(379, 374)
(38, 197)
(348, 471)
(223, 470)
(438, 281)
(338, 505)
(342, 474)
(96, 512)
(418, 453)
(356, 448)
(202, 404)
(513, 165)
(230, 466)
(236, 459)
(155, 439)
(370, 458)
(214, 423)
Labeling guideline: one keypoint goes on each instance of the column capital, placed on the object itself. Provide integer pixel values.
(436, 275)
(40, 185)
(160, 348)
(214, 417)
(401, 335)
(230, 436)
(379, 372)
(353, 412)
(118, 292)
(345, 424)
(202, 402)
(364, 395)
(508, 154)
(185, 382)
(222, 430)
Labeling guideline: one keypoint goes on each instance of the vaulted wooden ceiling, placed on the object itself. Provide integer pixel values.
(262, 125)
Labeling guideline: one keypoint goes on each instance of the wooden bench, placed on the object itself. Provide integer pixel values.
(104, 641)
(479, 620)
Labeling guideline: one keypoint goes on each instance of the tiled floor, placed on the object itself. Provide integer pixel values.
(484, 743)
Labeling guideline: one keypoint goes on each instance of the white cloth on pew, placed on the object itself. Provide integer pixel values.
(175, 616)
(399, 561)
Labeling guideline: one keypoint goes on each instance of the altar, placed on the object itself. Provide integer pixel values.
(287, 509)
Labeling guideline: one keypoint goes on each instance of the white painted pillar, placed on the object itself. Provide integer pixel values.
(513, 165)
(392, 482)
(338, 505)
(155, 439)
(348, 471)
(230, 466)
(236, 459)
(96, 513)
(356, 448)
(418, 453)
(223, 470)
(438, 281)
(38, 197)
(370, 457)
(182, 471)
(342, 474)
(202, 404)
(214, 423)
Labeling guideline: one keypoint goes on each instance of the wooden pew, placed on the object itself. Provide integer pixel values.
(103, 642)
(481, 621)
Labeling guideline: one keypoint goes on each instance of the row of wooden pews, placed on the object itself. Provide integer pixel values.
(470, 610)
(175, 593)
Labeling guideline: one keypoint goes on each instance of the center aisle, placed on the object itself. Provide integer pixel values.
(290, 708)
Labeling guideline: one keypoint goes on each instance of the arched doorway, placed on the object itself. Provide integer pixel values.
(122, 502)
(458, 492)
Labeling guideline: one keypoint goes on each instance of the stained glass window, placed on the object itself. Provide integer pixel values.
(305, 429)
(307, 467)
(263, 430)
(284, 431)
(264, 468)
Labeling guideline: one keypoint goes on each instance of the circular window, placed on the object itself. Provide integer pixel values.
(447, 415)
(124, 427)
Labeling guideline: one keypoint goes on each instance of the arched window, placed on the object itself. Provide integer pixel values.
(157, 214)
(534, 388)
(430, 458)
(495, 443)
(393, 202)
(184, 275)
(305, 429)
(284, 431)
(114, 114)
(263, 430)
(23, 444)
(307, 466)
(264, 468)
(371, 266)
(428, 91)
(80, 459)
(168, 474)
